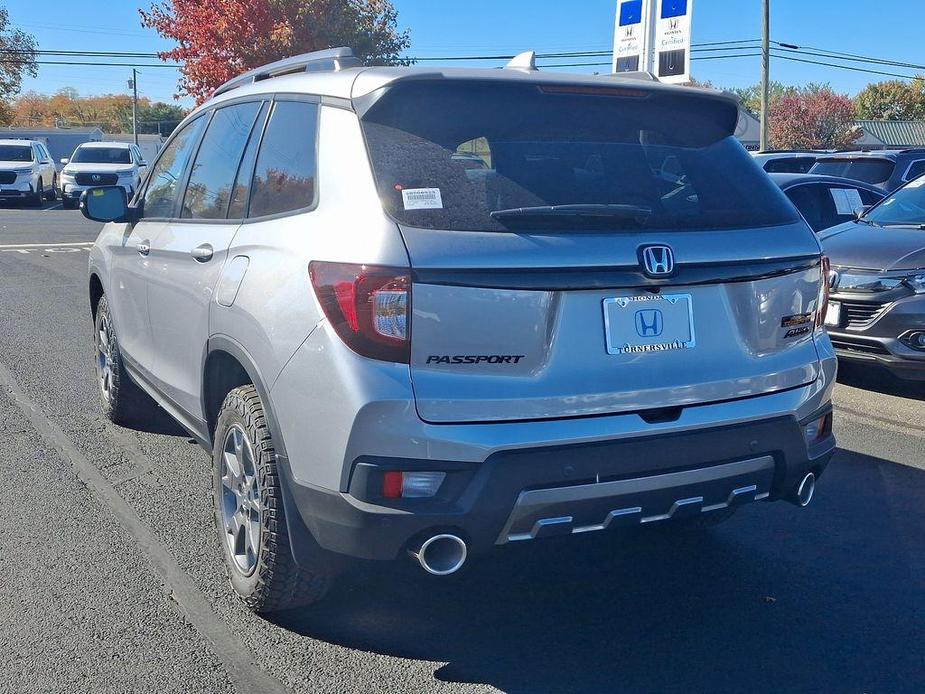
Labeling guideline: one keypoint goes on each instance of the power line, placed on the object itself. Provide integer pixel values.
(90, 64)
(842, 67)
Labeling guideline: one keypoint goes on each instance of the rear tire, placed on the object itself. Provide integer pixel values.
(121, 399)
(249, 514)
(52, 194)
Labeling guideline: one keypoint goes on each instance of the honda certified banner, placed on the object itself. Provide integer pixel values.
(631, 35)
(672, 45)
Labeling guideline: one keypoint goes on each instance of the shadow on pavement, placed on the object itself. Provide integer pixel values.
(876, 378)
(828, 598)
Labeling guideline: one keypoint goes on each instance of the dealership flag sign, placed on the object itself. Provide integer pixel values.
(654, 36)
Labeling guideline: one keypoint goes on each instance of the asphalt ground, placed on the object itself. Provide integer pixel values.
(111, 578)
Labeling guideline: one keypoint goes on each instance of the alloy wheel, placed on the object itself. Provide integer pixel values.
(240, 501)
(104, 356)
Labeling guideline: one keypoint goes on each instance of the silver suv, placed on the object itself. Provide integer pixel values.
(615, 320)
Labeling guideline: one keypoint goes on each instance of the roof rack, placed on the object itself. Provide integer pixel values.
(330, 60)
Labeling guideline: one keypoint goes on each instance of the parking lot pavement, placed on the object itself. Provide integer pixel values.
(112, 580)
(20, 224)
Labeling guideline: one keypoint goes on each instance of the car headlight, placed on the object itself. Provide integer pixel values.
(24, 170)
(126, 172)
(65, 174)
(917, 282)
(861, 282)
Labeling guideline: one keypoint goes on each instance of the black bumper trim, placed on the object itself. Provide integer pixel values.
(479, 502)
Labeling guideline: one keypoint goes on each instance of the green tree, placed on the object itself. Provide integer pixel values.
(892, 100)
(159, 118)
(18, 49)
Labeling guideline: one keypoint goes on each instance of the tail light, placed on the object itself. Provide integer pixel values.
(368, 306)
(823, 301)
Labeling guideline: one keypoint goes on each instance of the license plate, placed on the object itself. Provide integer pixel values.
(649, 323)
(833, 315)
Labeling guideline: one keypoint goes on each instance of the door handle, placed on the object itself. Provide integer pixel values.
(203, 253)
(143, 247)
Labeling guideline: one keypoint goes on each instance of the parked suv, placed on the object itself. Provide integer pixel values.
(27, 172)
(96, 164)
(877, 314)
(887, 169)
(616, 321)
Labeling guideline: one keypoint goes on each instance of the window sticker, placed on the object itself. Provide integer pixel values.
(422, 199)
(842, 201)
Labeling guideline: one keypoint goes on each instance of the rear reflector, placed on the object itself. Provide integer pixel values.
(368, 307)
(411, 484)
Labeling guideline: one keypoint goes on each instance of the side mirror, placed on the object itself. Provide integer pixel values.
(65, 160)
(861, 211)
(107, 204)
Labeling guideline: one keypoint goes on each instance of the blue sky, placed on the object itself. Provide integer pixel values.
(884, 29)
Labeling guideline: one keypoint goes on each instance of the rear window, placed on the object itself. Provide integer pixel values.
(471, 155)
(102, 155)
(866, 170)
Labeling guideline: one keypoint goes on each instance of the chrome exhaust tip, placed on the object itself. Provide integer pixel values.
(441, 555)
(803, 494)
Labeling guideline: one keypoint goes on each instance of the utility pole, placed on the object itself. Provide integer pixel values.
(765, 71)
(133, 83)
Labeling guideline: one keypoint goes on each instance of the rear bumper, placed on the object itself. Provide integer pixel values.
(529, 493)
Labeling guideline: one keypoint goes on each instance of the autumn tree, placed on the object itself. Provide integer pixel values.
(892, 100)
(218, 39)
(813, 117)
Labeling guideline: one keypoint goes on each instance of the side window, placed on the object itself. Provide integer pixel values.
(164, 181)
(870, 198)
(916, 170)
(213, 173)
(284, 178)
(816, 204)
(242, 183)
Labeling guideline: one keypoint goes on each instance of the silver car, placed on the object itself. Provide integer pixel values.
(616, 320)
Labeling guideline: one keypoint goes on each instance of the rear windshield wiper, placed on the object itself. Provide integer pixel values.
(634, 212)
(910, 225)
(868, 222)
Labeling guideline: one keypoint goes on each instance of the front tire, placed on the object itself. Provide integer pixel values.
(38, 197)
(121, 399)
(249, 514)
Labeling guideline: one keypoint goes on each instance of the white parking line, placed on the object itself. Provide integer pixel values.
(56, 206)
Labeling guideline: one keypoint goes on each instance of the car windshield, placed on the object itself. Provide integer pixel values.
(16, 153)
(101, 155)
(866, 170)
(500, 156)
(905, 207)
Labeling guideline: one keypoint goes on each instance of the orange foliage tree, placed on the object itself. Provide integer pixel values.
(218, 39)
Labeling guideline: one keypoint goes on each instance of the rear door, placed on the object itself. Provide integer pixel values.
(189, 250)
(618, 252)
